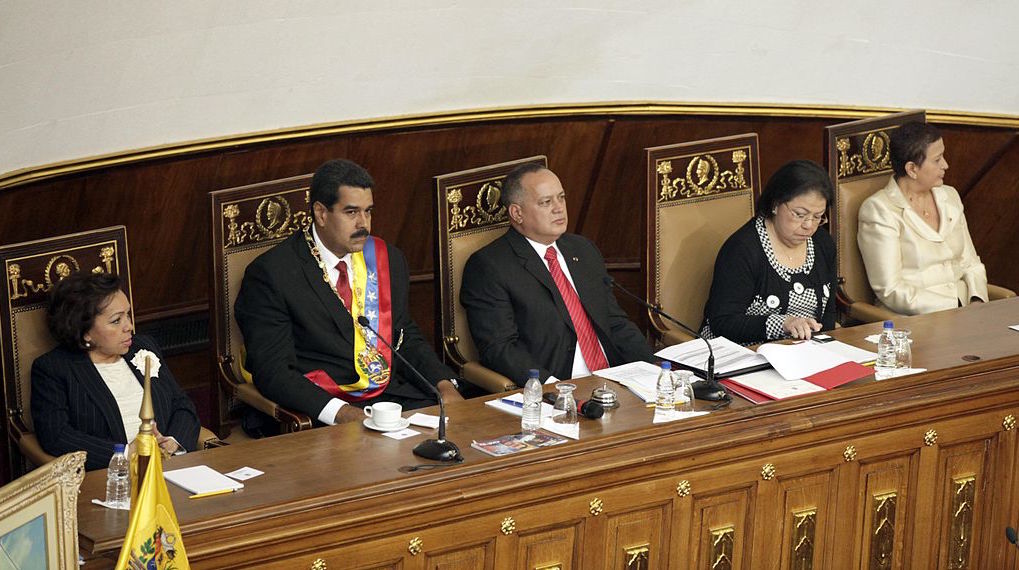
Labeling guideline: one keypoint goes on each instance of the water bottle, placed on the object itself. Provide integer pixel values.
(684, 391)
(666, 393)
(530, 419)
(118, 480)
(885, 365)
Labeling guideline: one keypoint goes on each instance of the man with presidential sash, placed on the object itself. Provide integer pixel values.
(299, 303)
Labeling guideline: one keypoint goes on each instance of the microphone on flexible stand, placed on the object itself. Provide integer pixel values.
(710, 389)
(435, 449)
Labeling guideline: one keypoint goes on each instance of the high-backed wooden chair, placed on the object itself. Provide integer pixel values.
(245, 222)
(32, 268)
(698, 194)
(859, 163)
(469, 217)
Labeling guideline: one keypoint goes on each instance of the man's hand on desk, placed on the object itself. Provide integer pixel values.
(449, 391)
(349, 413)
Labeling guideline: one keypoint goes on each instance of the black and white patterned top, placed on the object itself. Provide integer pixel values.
(752, 293)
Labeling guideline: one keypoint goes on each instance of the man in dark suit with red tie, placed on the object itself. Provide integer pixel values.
(299, 302)
(537, 297)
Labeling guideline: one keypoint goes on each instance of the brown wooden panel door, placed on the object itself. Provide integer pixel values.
(557, 547)
(636, 539)
(883, 506)
(961, 487)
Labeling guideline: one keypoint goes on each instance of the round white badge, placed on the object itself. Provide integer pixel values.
(772, 302)
(798, 288)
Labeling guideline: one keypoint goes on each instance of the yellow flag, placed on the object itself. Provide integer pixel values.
(153, 538)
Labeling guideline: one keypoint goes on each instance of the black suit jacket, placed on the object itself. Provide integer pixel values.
(73, 409)
(517, 316)
(293, 323)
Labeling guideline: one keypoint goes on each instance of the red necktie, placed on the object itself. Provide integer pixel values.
(342, 285)
(586, 337)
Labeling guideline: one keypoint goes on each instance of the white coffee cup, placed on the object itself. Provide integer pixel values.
(384, 414)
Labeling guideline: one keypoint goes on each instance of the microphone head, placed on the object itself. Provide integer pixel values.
(608, 281)
(1010, 534)
(363, 321)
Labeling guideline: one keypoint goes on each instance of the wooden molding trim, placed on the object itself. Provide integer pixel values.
(649, 108)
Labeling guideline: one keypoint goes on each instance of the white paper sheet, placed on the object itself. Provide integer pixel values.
(849, 351)
(729, 356)
(665, 417)
(201, 479)
(794, 361)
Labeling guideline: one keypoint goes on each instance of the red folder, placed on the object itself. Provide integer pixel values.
(841, 374)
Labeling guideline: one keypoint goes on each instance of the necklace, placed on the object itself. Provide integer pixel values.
(355, 298)
(922, 209)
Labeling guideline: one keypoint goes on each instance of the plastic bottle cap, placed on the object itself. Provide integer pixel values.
(666, 365)
(532, 373)
(889, 325)
(119, 447)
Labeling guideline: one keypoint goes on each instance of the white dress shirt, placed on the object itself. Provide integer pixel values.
(328, 413)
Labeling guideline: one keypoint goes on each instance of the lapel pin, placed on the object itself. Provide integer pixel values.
(575, 259)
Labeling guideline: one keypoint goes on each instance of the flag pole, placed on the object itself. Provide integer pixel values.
(147, 415)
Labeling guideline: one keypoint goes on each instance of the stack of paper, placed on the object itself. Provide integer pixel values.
(730, 358)
(801, 368)
(641, 378)
(202, 479)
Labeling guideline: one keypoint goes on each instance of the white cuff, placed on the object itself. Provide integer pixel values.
(180, 448)
(328, 413)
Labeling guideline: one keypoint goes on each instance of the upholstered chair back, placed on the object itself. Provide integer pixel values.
(32, 269)
(246, 222)
(469, 217)
(698, 194)
(859, 163)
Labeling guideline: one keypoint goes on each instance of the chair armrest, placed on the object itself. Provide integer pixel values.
(289, 421)
(488, 380)
(673, 336)
(207, 439)
(29, 446)
(994, 292)
(867, 313)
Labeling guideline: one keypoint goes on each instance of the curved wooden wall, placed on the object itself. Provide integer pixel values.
(598, 154)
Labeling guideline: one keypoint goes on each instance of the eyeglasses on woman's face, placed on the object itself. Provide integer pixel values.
(802, 216)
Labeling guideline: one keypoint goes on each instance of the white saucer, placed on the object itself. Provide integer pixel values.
(404, 424)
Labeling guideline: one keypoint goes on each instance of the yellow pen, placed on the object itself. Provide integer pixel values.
(212, 493)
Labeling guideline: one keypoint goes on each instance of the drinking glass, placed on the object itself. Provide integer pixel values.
(565, 404)
(903, 349)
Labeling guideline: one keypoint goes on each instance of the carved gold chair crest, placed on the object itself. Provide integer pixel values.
(246, 221)
(469, 217)
(698, 194)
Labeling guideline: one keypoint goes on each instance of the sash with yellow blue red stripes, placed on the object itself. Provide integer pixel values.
(371, 298)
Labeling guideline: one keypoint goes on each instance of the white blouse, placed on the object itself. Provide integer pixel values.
(127, 391)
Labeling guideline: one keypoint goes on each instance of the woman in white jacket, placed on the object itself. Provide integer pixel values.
(913, 234)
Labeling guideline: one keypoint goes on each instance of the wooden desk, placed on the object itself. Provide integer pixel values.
(904, 473)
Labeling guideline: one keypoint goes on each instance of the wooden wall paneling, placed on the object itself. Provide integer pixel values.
(992, 213)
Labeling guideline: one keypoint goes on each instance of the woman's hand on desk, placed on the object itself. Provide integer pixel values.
(800, 327)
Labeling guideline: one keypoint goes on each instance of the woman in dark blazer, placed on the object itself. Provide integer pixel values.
(86, 393)
(775, 277)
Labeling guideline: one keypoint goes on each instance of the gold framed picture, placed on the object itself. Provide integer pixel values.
(39, 518)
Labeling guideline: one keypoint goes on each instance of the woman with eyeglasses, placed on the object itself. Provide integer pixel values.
(775, 276)
(913, 234)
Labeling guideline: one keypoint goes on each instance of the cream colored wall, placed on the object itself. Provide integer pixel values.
(80, 79)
